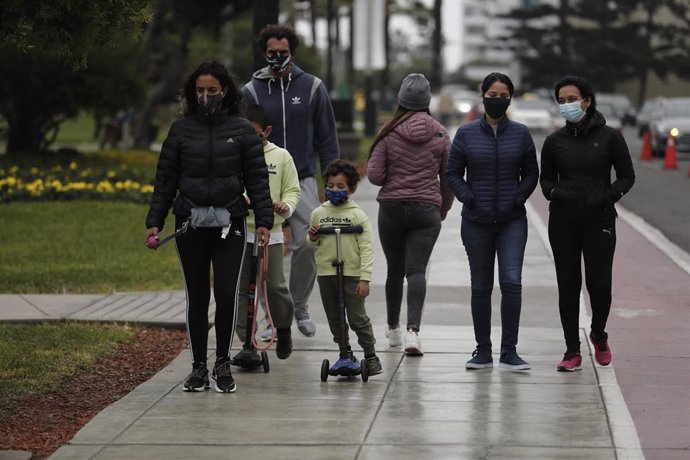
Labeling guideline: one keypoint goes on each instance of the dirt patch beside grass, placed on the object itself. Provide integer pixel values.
(42, 423)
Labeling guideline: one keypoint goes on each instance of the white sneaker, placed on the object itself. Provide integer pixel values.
(394, 336)
(413, 346)
(267, 334)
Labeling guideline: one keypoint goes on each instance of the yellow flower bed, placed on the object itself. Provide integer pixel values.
(71, 180)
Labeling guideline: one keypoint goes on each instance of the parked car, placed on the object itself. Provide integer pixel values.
(672, 119)
(463, 99)
(536, 113)
(621, 107)
(646, 113)
(613, 117)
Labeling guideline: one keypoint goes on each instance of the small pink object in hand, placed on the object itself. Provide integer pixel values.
(152, 242)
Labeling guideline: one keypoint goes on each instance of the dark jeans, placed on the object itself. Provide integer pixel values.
(483, 242)
(570, 242)
(408, 231)
(199, 250)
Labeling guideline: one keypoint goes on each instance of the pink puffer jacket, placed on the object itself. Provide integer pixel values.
(410, 163)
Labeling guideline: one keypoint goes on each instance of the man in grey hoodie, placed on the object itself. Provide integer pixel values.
(299, 109)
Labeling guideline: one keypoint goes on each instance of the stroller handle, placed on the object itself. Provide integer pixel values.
(346, 229)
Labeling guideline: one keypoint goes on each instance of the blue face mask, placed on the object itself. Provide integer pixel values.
(337, 196)
(572, 111)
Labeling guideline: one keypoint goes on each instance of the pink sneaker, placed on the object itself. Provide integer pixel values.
(571, 362)
(602, 351)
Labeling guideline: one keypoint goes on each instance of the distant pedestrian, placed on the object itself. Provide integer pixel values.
(299, 109)
(492, 170)
(209, 158)
(408, 159)
(576, 164)
(285, 192)
(357, 252)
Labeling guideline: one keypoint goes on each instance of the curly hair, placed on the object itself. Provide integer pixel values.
(345, 168)
(278, 31)
(232, 99)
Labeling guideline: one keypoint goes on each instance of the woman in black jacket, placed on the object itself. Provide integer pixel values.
(211, 155)
(576, 164)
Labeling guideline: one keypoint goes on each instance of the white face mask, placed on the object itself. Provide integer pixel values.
(572, 111)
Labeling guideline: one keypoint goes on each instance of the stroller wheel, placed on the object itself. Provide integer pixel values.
(264, 361)
(365, 372)
(324, 370)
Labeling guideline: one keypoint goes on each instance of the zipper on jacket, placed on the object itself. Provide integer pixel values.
(282, 99)
(209, 178)
(495, 200)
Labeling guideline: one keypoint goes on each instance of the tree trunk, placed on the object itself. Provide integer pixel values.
(644, 69)
(24, 134)
(265, 12)
(436, 74)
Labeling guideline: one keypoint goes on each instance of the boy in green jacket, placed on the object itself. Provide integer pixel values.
(285, 193)
(357, 254)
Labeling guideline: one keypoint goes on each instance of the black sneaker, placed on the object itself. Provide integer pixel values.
(284, 345)
(373, 364)
(247, 357)
(198, 379)
(223, 377)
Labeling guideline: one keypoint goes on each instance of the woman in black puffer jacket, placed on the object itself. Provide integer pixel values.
(576, 163)
(211, 155)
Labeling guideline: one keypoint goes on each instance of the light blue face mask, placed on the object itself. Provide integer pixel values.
(572, 111)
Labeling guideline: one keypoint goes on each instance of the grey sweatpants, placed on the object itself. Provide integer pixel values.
(279, 299)
(302, 261)
(354, 306)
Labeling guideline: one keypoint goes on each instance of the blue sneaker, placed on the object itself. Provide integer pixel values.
(511, 361)
(480, 360)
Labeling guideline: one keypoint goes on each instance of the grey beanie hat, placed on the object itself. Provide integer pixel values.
(415, 92)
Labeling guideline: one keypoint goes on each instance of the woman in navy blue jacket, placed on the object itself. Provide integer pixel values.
(492, 169)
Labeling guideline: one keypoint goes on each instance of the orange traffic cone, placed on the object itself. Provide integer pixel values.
(670, 155)
(646, 154)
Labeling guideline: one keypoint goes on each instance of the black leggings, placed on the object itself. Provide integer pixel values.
(199, 250)
(570, 242)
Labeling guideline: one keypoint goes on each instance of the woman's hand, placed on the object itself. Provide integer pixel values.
(362, 289)
(151, 240)
(263, 234)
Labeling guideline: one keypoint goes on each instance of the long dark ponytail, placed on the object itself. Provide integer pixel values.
(401, 114)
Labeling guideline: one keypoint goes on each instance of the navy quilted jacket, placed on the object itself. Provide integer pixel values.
(492, 174)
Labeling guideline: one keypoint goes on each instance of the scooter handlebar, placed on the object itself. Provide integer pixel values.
(347, 229)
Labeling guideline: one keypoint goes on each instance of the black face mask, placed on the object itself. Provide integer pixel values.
(495, 107)
(209, 104)
(278, 62)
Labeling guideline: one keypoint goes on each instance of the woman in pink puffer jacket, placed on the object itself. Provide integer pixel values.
(408, 160)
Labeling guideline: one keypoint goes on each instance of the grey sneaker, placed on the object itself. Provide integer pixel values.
(304, 323)
(511, 361)
(480, 360)
(198, 379)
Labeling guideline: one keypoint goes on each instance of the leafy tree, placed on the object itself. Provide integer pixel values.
(603, 40)
(70, 30)
(38, 92)
(59, 57)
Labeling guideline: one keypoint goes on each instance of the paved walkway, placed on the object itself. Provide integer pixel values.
(422, 408)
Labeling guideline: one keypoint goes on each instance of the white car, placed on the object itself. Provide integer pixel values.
(536, 113)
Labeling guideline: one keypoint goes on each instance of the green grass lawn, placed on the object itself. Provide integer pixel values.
(35, 357)
(81, 247)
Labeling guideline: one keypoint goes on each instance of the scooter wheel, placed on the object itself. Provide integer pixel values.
(324, 370)
(365, 372)
(264, 361)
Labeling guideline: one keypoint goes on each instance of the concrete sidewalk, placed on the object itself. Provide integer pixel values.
(424, 408)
